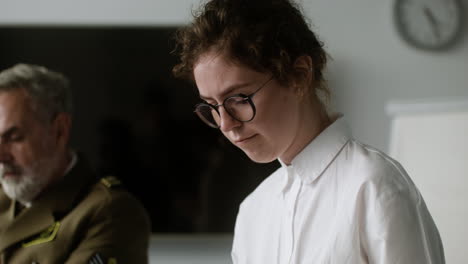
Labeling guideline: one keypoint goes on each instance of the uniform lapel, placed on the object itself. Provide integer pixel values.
(7, 210)
(31, 221)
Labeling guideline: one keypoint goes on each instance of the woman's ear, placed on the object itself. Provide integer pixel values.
(303, 68)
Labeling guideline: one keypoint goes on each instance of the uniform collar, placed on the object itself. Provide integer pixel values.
(313, 160)
(78, 176)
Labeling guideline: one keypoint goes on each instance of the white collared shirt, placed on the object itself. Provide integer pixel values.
(339, 202)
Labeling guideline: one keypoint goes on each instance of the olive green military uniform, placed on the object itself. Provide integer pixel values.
(79, 220)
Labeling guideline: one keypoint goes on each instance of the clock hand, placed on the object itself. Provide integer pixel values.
(432, 21)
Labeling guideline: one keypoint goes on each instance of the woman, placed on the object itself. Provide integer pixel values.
(258, 68)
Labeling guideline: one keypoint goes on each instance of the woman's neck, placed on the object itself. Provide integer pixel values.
(313, 120)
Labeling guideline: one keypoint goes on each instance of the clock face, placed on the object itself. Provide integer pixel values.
(429, 24)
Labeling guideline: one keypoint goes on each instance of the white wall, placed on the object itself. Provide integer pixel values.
(372, 65)
(95, 12)
(186, 249)
(430, 139)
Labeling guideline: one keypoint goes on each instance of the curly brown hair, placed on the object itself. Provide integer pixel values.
(265, 35)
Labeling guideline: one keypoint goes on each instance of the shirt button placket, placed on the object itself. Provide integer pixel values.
(296, 187)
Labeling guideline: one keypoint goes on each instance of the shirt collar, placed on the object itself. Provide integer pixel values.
(312, 161)
(74, 159)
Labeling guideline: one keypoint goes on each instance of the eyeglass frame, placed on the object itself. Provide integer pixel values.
(243, 96)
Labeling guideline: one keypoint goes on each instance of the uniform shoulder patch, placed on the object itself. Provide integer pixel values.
(110, 181)
(97, 259)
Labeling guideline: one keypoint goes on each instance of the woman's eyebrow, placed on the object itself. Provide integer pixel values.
(229, 90)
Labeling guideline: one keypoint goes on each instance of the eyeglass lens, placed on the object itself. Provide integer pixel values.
(237, 107)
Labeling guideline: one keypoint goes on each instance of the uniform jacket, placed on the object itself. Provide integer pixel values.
(79, 220)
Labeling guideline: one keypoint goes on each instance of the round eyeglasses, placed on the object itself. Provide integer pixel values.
(239, 106)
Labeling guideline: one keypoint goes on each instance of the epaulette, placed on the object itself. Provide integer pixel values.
(110, 181)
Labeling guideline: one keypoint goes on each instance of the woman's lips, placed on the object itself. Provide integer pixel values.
(244, 140)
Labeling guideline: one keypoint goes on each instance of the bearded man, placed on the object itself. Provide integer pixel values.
(53, 208)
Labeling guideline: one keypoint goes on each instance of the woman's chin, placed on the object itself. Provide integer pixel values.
(260, 157)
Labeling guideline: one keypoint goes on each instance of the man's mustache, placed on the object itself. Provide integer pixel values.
(6, 168)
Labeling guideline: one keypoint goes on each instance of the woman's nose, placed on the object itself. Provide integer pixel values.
(227, 122)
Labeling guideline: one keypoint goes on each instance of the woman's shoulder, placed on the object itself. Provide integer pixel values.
(372, 167)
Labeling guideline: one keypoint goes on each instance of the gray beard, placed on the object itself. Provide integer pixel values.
(23, 189)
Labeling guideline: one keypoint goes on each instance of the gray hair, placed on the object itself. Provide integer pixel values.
(50, 91)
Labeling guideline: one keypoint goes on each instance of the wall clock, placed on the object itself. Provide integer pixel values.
(429, 24)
